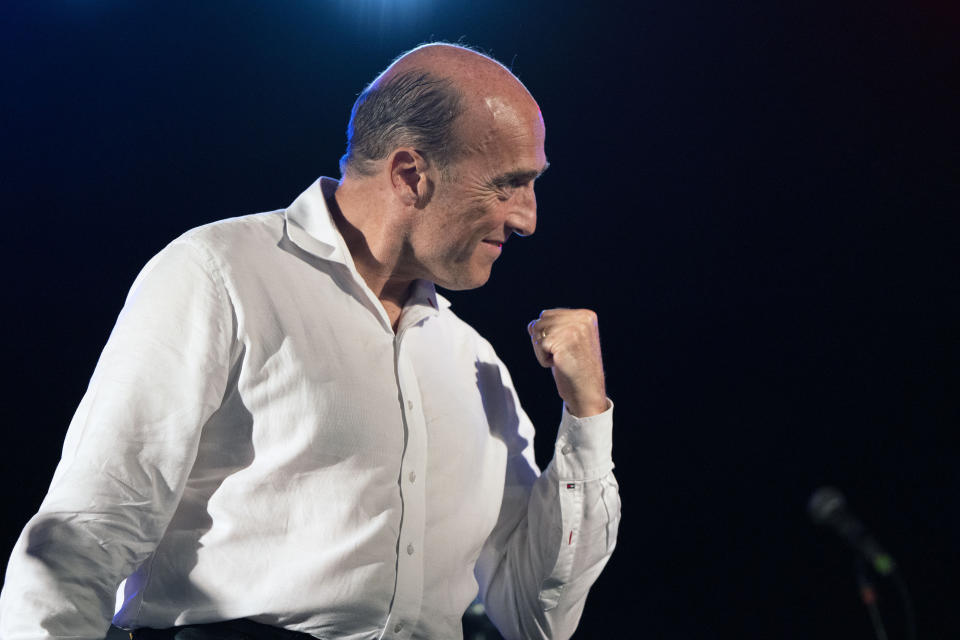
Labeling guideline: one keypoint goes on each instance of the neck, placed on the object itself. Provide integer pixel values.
(374, 246)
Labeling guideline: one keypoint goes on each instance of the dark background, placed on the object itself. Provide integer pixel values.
(758, 199)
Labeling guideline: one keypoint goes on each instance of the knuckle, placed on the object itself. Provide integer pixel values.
(588, 315)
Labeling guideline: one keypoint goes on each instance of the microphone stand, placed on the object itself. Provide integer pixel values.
(868, 595)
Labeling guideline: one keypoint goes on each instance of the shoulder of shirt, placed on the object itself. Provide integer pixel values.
(221, 239)
(233, 230)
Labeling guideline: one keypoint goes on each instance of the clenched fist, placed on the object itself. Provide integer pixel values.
(568, 342)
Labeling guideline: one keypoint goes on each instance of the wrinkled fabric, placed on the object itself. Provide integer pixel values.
(257, 442)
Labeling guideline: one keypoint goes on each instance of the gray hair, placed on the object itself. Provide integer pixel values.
(415, 109)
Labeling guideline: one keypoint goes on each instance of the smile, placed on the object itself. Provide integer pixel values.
(494, 248)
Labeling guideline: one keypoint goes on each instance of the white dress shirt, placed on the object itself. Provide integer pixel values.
(257, 442)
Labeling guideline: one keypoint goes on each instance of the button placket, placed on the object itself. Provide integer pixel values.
(408, 594)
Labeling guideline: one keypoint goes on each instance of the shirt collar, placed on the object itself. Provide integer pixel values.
(310, 226)
(425, 292)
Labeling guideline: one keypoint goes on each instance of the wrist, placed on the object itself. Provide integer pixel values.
(587, 408)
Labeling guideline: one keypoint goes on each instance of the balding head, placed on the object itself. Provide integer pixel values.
(439, 99)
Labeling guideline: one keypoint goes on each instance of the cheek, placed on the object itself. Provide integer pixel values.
(464, 235)
(474, 220)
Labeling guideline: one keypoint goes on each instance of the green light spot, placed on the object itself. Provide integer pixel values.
(883, 564)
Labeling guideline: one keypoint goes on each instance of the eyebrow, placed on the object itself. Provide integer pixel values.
(521, 176)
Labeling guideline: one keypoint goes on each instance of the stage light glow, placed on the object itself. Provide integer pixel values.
(389, 15)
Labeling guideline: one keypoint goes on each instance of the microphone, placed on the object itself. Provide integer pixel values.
(828, 507)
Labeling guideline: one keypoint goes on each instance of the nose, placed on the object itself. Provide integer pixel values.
(523, 214)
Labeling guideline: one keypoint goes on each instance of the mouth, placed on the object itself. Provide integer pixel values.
(497, 243)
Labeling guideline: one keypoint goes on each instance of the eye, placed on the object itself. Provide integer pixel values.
(503, 189)
(506, 186)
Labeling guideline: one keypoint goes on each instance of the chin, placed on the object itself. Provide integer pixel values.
(462, 286)
(464, 283)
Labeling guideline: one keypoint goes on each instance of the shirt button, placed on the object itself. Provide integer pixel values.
(397, 628)
(566, 449)
(409, 549)
(413, 476)
(410, 405)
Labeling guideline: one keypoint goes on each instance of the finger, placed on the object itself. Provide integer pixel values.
(538, 330)
(537, 337)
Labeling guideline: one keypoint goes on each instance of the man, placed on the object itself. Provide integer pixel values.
(290, 433)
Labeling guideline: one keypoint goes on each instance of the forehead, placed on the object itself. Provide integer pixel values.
(503, 112)
(502, 131)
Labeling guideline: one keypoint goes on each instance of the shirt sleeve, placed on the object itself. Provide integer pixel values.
(553, 537)
(127, 453)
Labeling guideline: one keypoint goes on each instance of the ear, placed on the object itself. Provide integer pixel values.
(410, 177)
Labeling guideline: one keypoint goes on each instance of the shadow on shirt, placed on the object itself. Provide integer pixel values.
(499, 405)
(231, 422)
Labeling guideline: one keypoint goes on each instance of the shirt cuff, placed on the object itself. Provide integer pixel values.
(584, 449)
